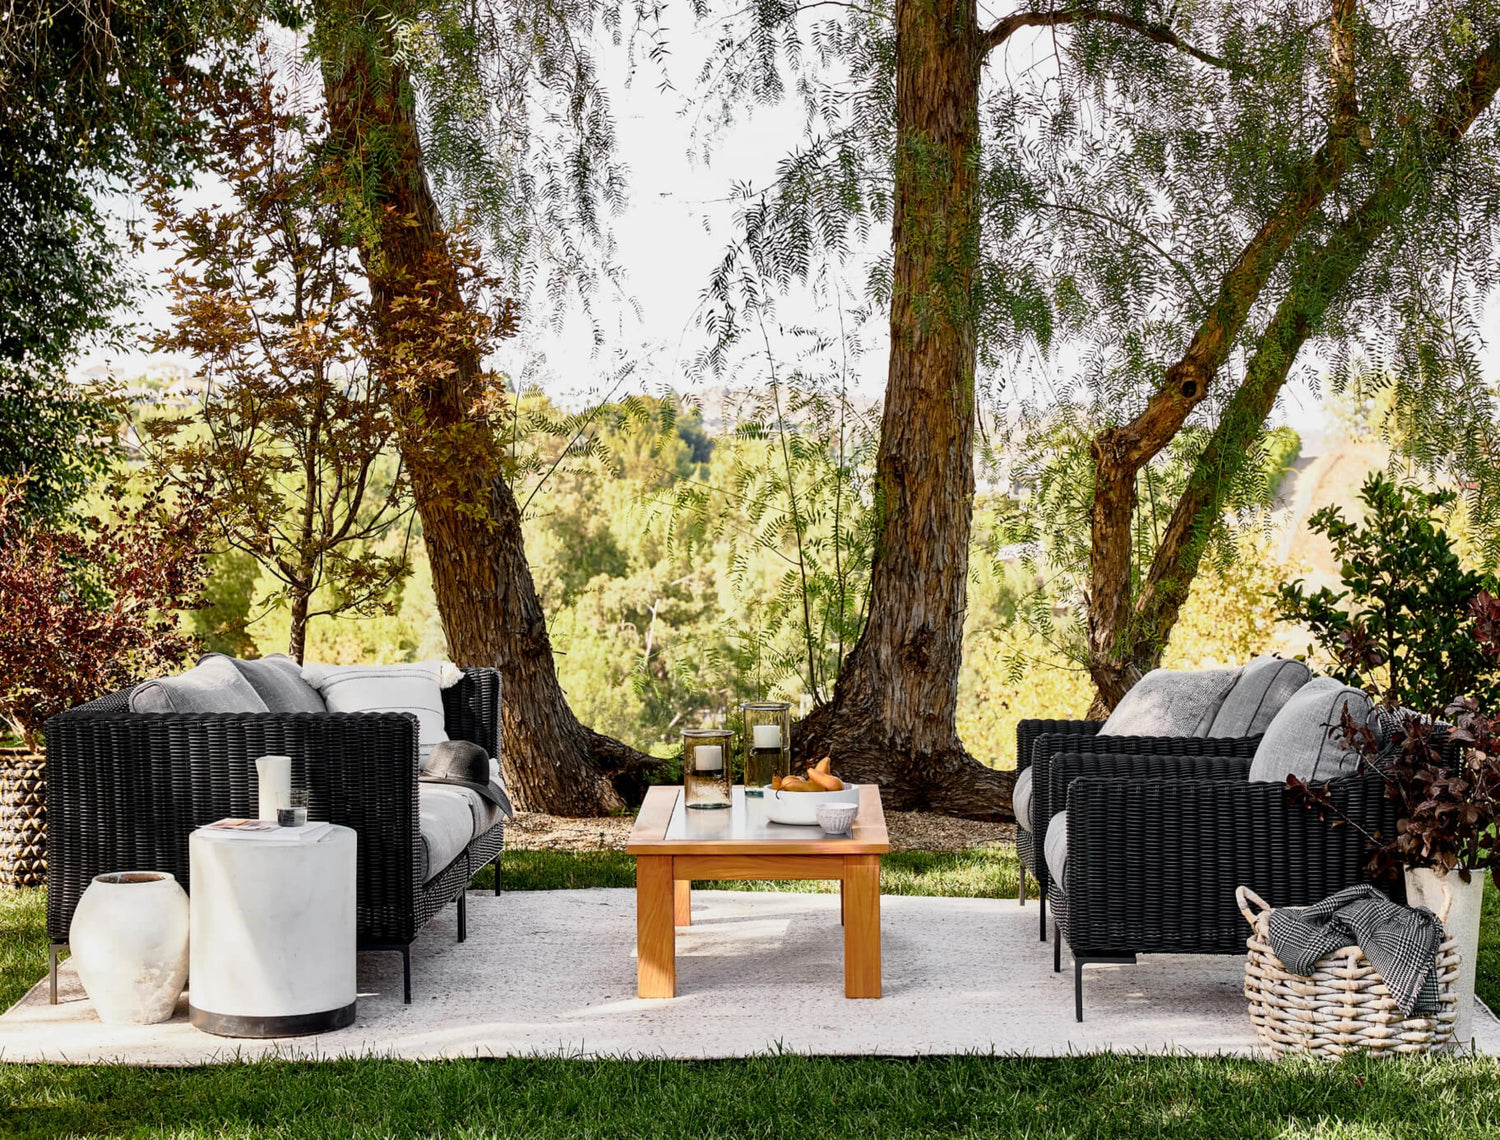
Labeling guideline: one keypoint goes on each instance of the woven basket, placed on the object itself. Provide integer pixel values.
(1344, 1007)
(23, 819)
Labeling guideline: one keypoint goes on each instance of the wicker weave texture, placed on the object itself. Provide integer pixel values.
(125, 791)
(1045, 739)
(1344, 1007)
(23, 819)
(1153, 863)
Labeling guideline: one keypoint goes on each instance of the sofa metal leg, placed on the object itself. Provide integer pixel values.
(463, 914)
(1078, 964)
(404, 949)
(1021, 889)
(52, 951)
(497, 874)
(1056, 949)
(1041, 906)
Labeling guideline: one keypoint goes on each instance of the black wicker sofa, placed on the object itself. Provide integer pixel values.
(125, 790)
(1157, 844)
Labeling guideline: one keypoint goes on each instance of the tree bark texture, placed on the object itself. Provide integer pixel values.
(471, 521)
(1323, 273)
(891, 716)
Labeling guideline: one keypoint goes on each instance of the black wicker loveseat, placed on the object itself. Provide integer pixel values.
(125, 790)
(1157, 844)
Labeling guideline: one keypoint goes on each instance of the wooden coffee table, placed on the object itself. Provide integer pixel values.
(673, 846)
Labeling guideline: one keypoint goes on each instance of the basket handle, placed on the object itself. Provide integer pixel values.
(1243, 897)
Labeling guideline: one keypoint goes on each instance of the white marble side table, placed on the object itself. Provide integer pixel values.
(272, 946)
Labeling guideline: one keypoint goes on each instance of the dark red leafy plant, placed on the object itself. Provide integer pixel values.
(1441, 768)
(89, 609)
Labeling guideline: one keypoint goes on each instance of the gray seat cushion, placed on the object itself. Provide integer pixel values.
(1297, 742)
(447, 822)
(1167, 702)
(1055, 848)
(278, 680)
(1264, 686)
(214, 685)
(451, 817)
(1020, 799)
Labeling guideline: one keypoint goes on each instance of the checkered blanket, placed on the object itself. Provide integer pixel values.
(1401, 942)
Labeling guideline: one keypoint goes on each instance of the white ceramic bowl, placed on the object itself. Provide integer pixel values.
(802, 807)
(837, 819)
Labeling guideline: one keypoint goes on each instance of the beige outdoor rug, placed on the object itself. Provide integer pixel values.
(553, 973)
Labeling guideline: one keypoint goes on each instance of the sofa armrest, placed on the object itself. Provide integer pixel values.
(1065, 767)
(1028, 730)
(1043, 806)
(1153, 863)
(125, 790)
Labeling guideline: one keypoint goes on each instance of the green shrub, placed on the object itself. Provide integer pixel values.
(1402, 624)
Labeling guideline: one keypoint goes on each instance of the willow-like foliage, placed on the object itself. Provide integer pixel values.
(1130, 155)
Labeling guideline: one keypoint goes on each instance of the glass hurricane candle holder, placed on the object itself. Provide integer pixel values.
(768, 743)
(705, 767)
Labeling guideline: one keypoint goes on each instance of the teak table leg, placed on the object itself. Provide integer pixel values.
(682, 902)
(655, 938)
(861, 893)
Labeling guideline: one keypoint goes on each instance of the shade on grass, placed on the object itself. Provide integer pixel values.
(781, 1096)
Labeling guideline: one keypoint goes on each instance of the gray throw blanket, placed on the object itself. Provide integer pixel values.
(1401, 942)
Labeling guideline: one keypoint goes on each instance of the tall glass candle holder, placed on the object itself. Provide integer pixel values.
(768, 743)
(705, 767)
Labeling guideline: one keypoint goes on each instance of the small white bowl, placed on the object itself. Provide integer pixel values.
(837, 819)
(801, 808)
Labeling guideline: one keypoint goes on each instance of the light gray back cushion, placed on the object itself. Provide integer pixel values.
(1166, 702)
(278, 680)
(1055, 849)
(214, 685)
(1297, 742)
(1020, 798)
(1264, 686)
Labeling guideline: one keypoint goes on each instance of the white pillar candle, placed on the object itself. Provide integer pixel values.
(708, 758)
(767, 735)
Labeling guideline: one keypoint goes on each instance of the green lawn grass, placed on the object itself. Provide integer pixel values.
(773, 1096)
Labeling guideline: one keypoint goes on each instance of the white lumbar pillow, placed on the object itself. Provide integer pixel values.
(415, 688)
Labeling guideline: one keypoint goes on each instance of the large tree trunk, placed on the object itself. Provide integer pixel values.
(471, 522)
(1322, 274)
(891, 717)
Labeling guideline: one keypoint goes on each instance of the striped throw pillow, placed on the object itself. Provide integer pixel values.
(415, 688)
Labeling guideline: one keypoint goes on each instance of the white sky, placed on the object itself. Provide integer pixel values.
(673, 230)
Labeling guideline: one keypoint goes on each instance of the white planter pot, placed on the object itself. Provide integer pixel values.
(1426, 887)
(129, 943)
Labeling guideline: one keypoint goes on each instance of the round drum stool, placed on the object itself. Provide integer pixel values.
(272, 933)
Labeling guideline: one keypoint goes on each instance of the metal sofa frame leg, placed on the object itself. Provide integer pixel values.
(1021, 890)
(52, 950)
(1041, 906)
(497, 874)
(463, 899)
(1078, 965)
(402, 948)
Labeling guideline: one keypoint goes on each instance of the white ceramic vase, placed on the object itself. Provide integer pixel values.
(1426, 887)
(129, 944)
